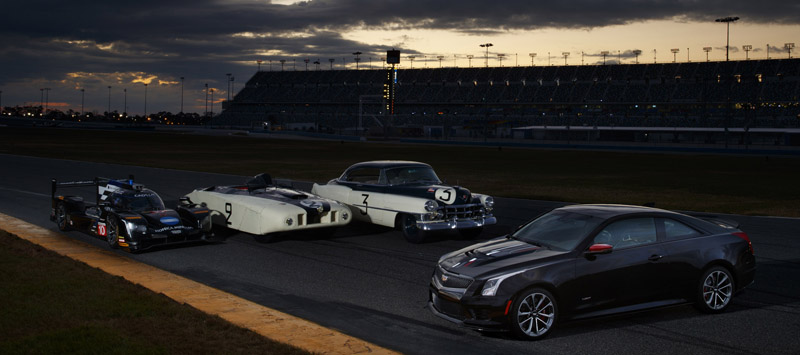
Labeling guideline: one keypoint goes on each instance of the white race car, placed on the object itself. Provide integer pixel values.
(409, 196)
(260, 207)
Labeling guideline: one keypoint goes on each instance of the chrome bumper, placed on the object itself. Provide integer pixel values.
(456, 223)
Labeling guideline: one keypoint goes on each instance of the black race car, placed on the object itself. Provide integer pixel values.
(590, 260)
(128, 215)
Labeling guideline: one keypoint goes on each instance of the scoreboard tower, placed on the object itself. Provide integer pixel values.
(392, 57)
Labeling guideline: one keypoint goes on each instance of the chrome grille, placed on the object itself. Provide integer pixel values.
(451, 280)
(469, 211)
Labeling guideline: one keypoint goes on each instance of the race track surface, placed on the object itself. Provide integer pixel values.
(369, 282)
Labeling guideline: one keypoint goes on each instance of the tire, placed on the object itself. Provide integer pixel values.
(470, 233)
(408, 226)
(112, 232)
(61, 217)
(534, 314)
(715, 290)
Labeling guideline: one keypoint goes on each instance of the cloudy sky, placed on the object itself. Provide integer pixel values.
(71, 45)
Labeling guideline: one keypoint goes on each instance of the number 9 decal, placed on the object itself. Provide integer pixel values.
(447, 196)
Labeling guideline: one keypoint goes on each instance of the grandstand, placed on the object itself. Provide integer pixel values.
(746, 102)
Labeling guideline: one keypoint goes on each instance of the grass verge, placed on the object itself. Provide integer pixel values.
(52, 304)
(753, 185)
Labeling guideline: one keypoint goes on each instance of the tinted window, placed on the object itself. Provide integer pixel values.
(410, 175)
(628, 233)
(677, 230)
(364, 175)
(142, 201)
(558, 229)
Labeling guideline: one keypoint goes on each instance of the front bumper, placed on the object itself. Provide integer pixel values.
(486, 314)
(144, 242)
(456, 223)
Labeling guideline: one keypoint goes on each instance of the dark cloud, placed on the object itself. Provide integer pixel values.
(45, 40)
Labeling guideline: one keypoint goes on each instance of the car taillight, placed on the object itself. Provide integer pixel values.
(744, 236)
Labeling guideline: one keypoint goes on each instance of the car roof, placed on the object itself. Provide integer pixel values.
(382, 164)
(607, 211)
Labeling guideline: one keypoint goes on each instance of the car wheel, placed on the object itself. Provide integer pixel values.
(470, 233)
(408, 225)
(112, 232)
(61, 217)
(534, 314)
(715, 291)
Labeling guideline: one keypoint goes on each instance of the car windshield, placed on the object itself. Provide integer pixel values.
(410, 175)
(140, 201)
(560, 230)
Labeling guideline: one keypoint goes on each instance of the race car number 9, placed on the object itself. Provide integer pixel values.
(447, 196)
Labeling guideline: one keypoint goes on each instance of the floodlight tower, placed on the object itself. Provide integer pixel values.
(789, 47)
(747, 48)
(259, 64)
(283, 61)
(727, 21)
(674, 53)
(707, 49)
(532, 55)
(604, 54)
(181, 95)
(228, 91)
(357, 54)
(109, 100)
(411, 58)
(145, 100)
(331, 60)
(500, 57)
(440, 57)
(637, 52)
(306, 61)
(487, 45)
(469, 59)
(565, 54)
(83, 92)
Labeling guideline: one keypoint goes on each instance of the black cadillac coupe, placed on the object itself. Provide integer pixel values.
(584, 261)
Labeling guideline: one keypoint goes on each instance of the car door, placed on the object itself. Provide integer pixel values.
(367, 198)
(630, 274)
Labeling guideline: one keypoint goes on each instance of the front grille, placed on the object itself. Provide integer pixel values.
(447, 307)
(451, 280)
(469, 211)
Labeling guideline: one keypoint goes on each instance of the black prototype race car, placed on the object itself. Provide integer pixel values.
(584, 261)
(128, 215)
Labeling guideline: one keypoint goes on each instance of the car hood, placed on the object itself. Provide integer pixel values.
(495, 255)
(451, 195)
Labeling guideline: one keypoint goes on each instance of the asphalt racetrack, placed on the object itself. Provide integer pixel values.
(369, 282)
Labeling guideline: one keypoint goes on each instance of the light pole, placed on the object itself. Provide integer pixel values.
(411, 58)
(487, 45)
(674, 53)
(707, 49)
(533, 55)
(145, 101)
(469, 60)
(604, 54)
(727, 21)
(500, 57)
(331, 60)
(125, 103)
(46, 99)
(228, 91)
(259, 64)
(789, 47)
(565, 54)
(212, 103)
(357, 54)
(440, 57)
(306, 60)
(654, 56)
(283, 61)
(109, 101)
(82, 96)
(637, 52)
(206, 111)
(747, 48)
(181, 94)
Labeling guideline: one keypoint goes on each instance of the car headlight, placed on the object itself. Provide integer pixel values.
(133, 227)
(431, 206)
(345, 215)
(488, 202)
(491, 285)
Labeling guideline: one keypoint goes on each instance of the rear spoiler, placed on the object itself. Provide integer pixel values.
(96, 182)
(722, 222)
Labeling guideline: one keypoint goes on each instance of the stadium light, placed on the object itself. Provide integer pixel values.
(109, 100)
(316, 62)
(259, 64)
(637, 52)
(500, 57)
(357, 58)
(532, 55)
(228, 91)
(604, 54)
(707, 49)
(83, 92)
(487, 45)
(469, 59)
(747, 48)
(206, 111)
(283, 61)
(674, 53)
(411, 58)
(306, 60)
(331, 60)
(125, 103)
(789, 47)
(727, 21)
(440, 57)
(145, 100)
(654, 56)
(565, 54)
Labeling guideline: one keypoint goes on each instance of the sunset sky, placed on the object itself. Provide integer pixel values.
(71, 45)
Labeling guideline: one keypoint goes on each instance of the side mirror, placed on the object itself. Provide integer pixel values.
(597, 249)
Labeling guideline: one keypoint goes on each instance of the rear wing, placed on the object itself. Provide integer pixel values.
(103, 186)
